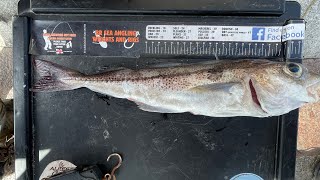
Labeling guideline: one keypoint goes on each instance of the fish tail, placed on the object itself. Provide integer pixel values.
(53, 77)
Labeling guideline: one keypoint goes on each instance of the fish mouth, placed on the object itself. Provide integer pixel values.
(254, 95)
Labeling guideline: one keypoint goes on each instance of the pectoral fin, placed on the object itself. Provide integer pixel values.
(230, 88)
(149, 108)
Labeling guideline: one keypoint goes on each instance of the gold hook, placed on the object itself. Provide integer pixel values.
(111, 176)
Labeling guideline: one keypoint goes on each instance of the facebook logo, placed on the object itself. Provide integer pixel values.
(258, 33)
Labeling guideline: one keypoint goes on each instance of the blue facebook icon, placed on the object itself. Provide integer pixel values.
(258, 33)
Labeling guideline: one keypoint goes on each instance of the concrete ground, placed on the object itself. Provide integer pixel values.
(309, 120)
(8, 9)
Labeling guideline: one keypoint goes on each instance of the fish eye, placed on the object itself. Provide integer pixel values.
(294, 69)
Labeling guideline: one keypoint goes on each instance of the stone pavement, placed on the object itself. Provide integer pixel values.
(7, 10)
(310, 12)
(308, 133)
(309, 119)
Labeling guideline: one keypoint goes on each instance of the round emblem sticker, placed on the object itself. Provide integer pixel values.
(246, 176)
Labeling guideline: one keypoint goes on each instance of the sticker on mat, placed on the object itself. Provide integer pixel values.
(58, 38)
(246, 176)
(225, 33)
(56, 167)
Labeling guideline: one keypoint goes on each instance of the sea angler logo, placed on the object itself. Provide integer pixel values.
(258, 33)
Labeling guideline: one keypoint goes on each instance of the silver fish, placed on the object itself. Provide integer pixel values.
(258, 88)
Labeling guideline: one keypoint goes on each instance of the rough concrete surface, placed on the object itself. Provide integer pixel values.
(308, 144)
(7, 10)
(305, 167)
(310, 11)
(309, 127)
(309, 118)
(6, 73)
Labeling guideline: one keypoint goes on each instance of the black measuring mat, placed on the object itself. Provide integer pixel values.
(82, 126)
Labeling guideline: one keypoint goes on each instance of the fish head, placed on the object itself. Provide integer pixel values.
(278, 88)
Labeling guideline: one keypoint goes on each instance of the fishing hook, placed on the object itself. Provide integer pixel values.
(111, 176)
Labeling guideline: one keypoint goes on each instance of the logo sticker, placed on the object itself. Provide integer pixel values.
(127, 37)
(258, 33)
(246, 176)
(58, 39)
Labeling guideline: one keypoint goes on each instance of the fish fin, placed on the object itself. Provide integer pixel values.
(51, 76)
(224, 87)
(149, 108)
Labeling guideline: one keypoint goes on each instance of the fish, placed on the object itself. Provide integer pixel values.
(216, 88)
